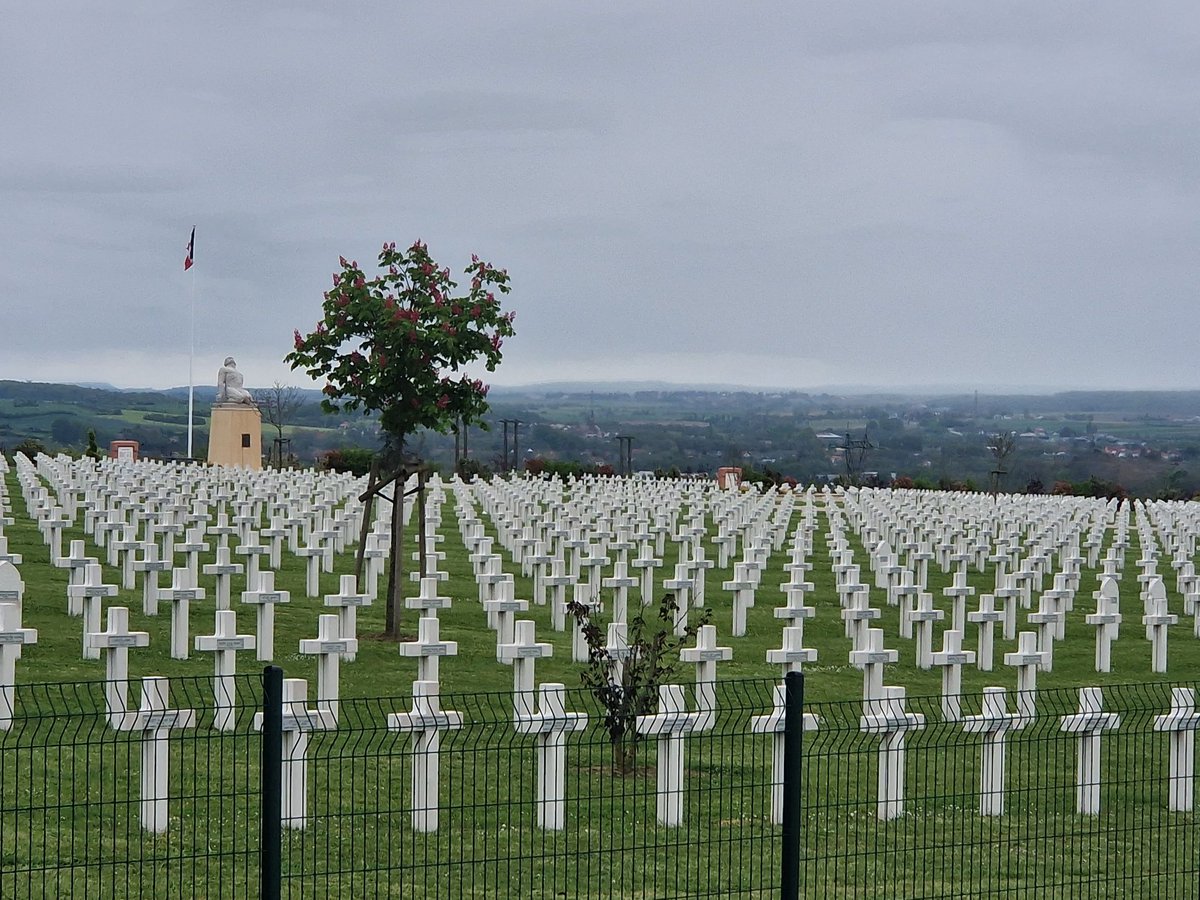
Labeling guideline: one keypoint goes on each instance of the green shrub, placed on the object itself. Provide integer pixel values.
(355, 460)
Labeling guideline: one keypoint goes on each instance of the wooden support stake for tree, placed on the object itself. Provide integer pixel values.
(395, 589)
(369, 499)
(422, 474)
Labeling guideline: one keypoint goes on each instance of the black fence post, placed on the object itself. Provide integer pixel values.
(271, 787)
(793, 734)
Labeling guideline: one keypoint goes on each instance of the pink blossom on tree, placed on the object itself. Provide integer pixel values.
(396, 343)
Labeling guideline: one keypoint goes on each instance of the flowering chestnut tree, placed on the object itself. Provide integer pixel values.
(397, 342)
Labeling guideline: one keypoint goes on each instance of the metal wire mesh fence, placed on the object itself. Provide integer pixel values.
(101, 798)
(487, 820)
(1073, 799)
(100, 802)
(503, 795)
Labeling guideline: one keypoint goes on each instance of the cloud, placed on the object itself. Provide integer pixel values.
(770, 194)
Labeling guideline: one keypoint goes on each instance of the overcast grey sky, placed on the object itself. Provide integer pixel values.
(778, 194)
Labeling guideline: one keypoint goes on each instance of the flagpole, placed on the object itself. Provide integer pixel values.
(188, 263)
(191, 365)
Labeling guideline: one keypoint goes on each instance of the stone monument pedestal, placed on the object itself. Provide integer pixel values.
(235, 438)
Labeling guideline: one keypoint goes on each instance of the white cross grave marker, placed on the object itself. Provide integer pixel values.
(743, 587)
(150, 565)
(181, 593)
(1181, 723)
(223, 570)
(773, 724)
(328, 646)
(1089, 723)
(1027, 659)
(681, 584)
(922, 617)
(522, 654)
(425, 722)
(951, 658)
(620, 583)
(669, 725)
(705, 656)
(428, 648)
(986, 618)
(298, 721)
(1106, 619)
(1157, 619)
(223, 644)
(871, 658)
(503, 607)
(551, 723)
(265, 597)
(115, 641)
(884, 714)
(12, 638)
(994, 723)
(155, 720)
(347, 601)
(90, 592)
(793, 654)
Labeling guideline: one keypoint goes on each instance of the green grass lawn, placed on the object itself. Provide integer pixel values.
(69, 787)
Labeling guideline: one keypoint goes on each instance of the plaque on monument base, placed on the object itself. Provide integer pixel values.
(235, 438)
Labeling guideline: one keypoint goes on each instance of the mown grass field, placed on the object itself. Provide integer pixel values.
(69, 785)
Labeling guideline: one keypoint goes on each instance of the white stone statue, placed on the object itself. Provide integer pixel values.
(229, 384)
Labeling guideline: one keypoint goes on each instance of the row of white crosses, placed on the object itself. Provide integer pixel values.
(117, 639)
(673, 721)
(119, 500)
(153, 719)
(1053, 603)
(1029, 649)
(225, 642)
(550, 545)
(87, 590)
(1034, 649)
(184, 589)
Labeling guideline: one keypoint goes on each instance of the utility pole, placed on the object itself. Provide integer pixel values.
(506, 423)
(625, 453)
(516, 457)
(855, 452)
